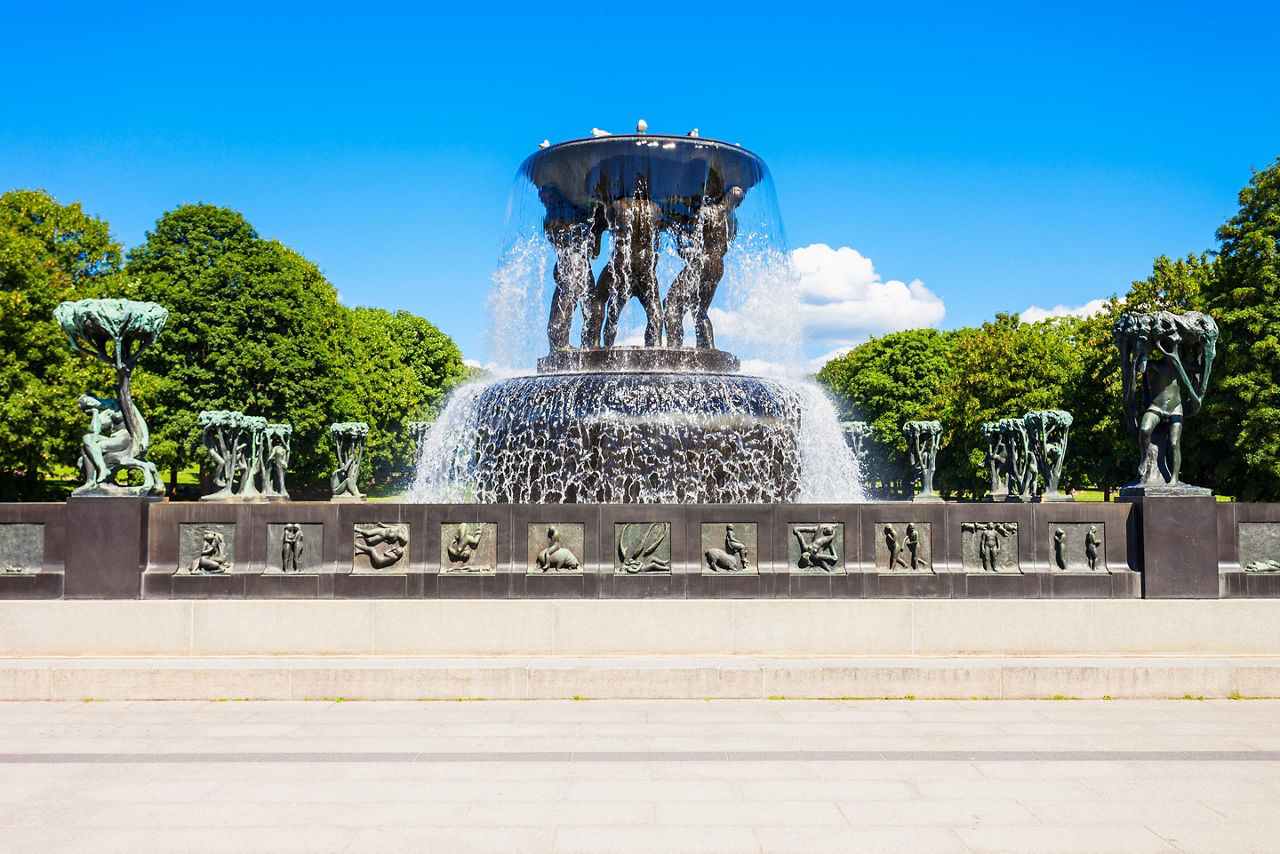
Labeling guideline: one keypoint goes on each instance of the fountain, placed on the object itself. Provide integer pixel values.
(663, 220)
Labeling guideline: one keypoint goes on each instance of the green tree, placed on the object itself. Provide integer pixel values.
(49, 253)
(386, 395)
(1003, 369)
(1241, 447)
(434, 359)
(1174, 285)
(888, 381)
(253, 326)
(1100, 450)
(401, 366)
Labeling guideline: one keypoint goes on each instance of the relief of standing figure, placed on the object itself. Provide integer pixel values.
(291, 545)
(732, 559)
(913, 544)
(1092, 545)
(894, 548)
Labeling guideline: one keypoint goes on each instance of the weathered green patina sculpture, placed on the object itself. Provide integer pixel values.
(556, 557)
(250, 448)
(254, 426)
(114, 331)
(213, 558)
(419, 430)
(1020, 460)
(222, 432)
(383, 544)
(292, 543)
(348, 438)
(923, 439)
(277, 442)
(996, 460)
(857, 435)
(639, 548)
(1047, 430)
(1165, 362)
(732, 558)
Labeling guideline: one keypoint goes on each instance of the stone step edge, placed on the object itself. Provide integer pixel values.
(639, 677)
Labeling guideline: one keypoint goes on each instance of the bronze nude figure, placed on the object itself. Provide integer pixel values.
(635, 223)
(703, 242)
(576, 240)
(1165, 361)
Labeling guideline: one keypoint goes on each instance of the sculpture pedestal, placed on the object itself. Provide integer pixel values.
(927, 498)
(1178, 546)
(106, 546)
(639, 360)
(1180, 490)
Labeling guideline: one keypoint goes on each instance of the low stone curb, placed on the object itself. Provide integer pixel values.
(637, 677)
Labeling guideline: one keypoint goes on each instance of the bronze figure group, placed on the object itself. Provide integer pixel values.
(701, 229)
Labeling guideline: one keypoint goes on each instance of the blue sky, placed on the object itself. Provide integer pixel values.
(1004, 156)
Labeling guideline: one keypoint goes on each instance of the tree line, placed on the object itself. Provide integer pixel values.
(1007, 367)
(253, 326)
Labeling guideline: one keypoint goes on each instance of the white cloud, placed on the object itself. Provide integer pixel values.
(843, 300)
(1035, 314)
(472, 363)
(816, 364)
(763, 368)
(831, 301)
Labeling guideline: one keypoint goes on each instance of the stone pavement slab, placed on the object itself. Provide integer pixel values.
(641, 775)
(643, 676)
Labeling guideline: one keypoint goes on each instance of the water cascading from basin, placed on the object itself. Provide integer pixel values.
(628, 423)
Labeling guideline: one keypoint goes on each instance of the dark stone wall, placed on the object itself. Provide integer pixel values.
(690, 530)
(1154, 548)
(47, 580)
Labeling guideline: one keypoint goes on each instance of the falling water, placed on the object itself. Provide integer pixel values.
(656, 437)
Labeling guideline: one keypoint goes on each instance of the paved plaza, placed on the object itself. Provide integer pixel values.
(633, 775)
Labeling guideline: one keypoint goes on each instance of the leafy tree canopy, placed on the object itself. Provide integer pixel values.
(1242, 413)
(255, 326)
(49, 253)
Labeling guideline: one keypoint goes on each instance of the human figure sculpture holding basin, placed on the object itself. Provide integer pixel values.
(635, 223)
(703, 242)
(576, 240)
(615, 185)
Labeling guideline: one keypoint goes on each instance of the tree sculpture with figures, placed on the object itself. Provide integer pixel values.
(114, 331)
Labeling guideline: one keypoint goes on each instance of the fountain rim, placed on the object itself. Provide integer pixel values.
(691, 140)
(623, 359)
